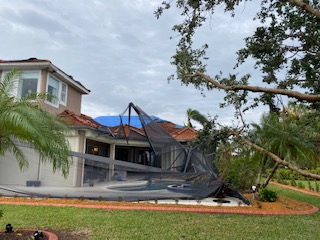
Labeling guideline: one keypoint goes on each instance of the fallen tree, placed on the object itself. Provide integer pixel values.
(285, 48)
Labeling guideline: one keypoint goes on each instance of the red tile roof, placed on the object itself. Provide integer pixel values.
(180, 134)
(185, 134)
(168, 126)
(25, 60)
(79, 120)
(126, 129)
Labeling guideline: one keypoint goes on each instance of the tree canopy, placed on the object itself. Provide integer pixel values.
(285, 48)
(24, 121)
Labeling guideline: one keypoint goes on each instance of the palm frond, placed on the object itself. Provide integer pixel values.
(8, 83)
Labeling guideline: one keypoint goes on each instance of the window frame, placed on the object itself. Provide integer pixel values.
(63, 102)
(17, 91)
(59, 92)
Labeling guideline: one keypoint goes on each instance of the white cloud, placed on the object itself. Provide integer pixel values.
(120, 51)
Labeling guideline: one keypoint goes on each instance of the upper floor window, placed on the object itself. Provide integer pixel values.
(63, 93)
(57, 91)
(26, 84)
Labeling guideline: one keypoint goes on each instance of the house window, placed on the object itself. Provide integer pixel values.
(63, 93)
(57, 92)
(53, 90)
(26, 84)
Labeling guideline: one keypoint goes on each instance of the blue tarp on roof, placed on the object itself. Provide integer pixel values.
(112, 121)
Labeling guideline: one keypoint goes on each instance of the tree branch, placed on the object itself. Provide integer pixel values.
(289, 93)
(306, 6)
(279, 160)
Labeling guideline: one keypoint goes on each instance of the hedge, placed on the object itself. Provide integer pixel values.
(287, 174)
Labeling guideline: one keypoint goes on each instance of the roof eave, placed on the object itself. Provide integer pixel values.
(68, 79)
(45, 65)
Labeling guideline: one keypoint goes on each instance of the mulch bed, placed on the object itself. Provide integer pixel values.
(19, 235)
(27, 235)
(282, 205)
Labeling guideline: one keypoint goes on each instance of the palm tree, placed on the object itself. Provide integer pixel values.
(22, 121)
(285, 138)
(195, 115)
(307, 118)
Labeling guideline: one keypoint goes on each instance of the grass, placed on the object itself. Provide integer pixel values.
(105, 224)
(315, 185)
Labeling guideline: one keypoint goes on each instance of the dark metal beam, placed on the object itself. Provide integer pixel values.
(118, 162)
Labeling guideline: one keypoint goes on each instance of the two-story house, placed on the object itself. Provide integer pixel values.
(97, 138)
(40, 76)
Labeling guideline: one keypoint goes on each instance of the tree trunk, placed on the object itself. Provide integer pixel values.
(306, 6)
(273, 171)
(264, 161)
(290, 93)
(277, 159)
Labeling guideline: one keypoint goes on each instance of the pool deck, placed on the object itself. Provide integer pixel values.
(111, 191)
(98, 191)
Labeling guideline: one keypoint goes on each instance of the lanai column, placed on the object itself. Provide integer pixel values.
(112, 156)
(79, 162)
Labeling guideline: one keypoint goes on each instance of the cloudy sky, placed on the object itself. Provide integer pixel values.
(121, 52)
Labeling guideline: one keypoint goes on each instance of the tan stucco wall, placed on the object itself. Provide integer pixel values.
(11, 174)
(73, 103)
(74, 100)
(74, 97)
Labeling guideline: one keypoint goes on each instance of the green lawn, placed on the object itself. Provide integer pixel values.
(304, 184)
(105, 224)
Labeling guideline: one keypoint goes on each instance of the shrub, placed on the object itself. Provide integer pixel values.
(317, 186)
(300, 185)
(267, 195)
(1, 213)
(243, 172)
(293, 183)
(309, 185)
(284, 173)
